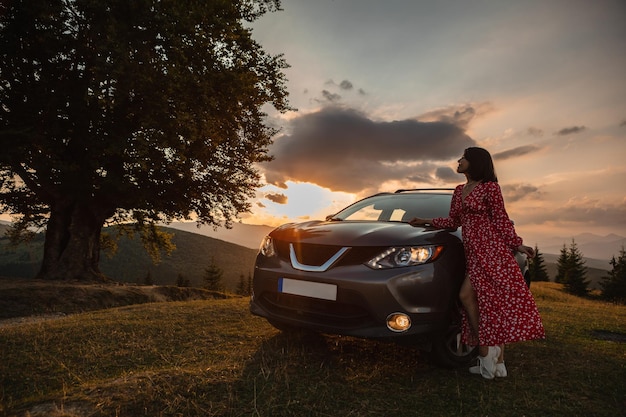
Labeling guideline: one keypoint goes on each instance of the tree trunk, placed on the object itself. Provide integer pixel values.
(72, 244)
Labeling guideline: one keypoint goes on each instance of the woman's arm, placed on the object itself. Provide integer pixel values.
(500, 218)
(451, 222)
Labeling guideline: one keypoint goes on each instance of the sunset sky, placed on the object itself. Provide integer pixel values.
(390, 93)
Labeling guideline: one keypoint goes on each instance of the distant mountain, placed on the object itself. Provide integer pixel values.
(589, 244)
(193, 254)
(247, 235)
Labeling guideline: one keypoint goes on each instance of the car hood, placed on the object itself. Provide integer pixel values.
(353, 233)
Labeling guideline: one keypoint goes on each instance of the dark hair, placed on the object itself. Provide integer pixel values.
(480, 165)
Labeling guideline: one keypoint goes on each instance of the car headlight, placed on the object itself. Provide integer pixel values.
(267, 247)
(398, 257)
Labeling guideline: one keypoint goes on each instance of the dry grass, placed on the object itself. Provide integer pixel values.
(212, 358)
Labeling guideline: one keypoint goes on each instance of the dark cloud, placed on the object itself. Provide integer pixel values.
(363, 93)
(623, 123)
(277, 198)
(457, 115)
(344, 150)
(345, 85)
(259, 204)
(533, 131)
(516, 192)
(515, 152)
(570, 130)
(332, 97)
(447, 174)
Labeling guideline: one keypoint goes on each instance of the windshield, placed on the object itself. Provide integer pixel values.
(397, 207)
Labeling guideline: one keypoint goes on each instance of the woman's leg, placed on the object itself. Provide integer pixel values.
(470, 303)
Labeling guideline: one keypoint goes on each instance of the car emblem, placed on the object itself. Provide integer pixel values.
(313, 268)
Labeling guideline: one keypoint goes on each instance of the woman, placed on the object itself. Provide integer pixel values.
(499, 308)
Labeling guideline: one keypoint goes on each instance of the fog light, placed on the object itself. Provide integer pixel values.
(398, 322)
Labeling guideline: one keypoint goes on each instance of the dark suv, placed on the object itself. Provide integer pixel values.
(366, 272)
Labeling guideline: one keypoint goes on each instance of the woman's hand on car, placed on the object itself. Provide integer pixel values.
(417, 221)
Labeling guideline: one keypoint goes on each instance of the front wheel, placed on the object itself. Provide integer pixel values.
(448, 350)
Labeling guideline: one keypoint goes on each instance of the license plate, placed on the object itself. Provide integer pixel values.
(308, 289)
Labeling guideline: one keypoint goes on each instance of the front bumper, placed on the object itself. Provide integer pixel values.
(364, 298)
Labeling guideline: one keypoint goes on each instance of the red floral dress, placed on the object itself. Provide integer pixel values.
(507, 310)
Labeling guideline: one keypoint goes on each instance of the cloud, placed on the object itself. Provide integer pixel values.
(516, 192)
(623, 123)
(460, 115)
(332, 97)
(277, 198)
(570, 130)
(345, 85)
(588, 211)
(533, 131)
(447, 174)
(344, 150)
(515, 152)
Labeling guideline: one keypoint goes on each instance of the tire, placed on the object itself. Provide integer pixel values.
(447, 350)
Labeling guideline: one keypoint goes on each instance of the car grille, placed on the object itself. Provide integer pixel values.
(316, 255)
(321, 312)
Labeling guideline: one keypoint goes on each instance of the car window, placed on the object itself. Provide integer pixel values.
(397, 207)
(365, 213)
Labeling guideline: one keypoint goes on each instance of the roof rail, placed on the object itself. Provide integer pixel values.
(423, 189)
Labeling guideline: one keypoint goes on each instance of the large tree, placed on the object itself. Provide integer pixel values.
(118, 111)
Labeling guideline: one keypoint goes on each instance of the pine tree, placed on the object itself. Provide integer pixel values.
(614, 285)
(241, 286)
(537, 267)
(244, 287)
(181, 281)
(147, 280)
(562, 265)
(213, 277)
(576, 275)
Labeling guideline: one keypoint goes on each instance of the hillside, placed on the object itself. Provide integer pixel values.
(131, 263)
(246, 235)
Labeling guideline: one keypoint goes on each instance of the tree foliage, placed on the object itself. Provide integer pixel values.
(116, 111)
(571, 270)
(562, 263)
(181, 281)
(614, 285)
(213, 277)
(244, 286)
(537, 267)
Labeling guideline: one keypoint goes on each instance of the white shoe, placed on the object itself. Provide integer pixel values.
(501, 370)
(487, 365)
(499, 373)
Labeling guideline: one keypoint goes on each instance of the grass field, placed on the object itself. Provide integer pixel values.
(212, 358)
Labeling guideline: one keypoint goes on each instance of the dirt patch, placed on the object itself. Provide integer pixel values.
(609, 335)
(41, 300)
